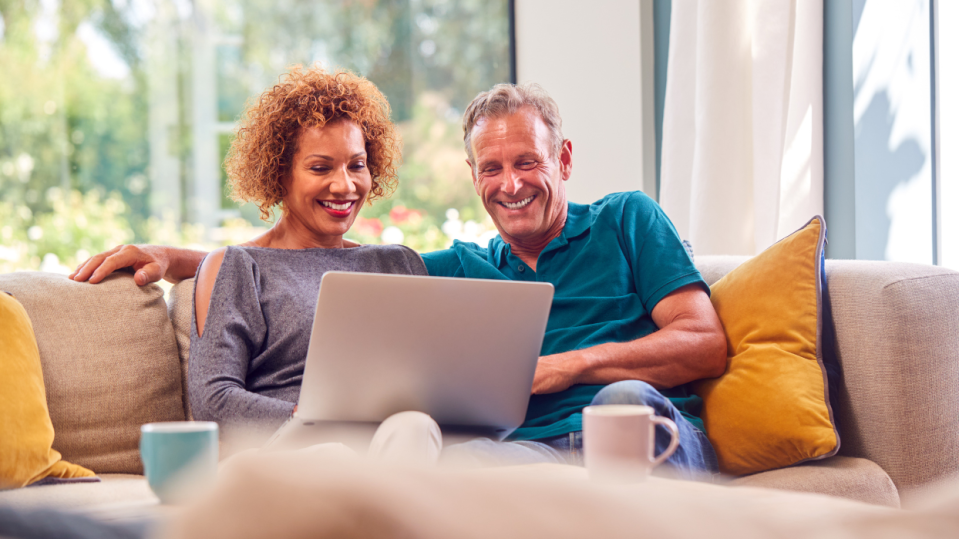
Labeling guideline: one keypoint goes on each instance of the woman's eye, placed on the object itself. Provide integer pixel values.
(320, 170)
(359, 165)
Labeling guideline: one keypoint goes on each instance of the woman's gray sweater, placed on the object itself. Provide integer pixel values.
(246, 369)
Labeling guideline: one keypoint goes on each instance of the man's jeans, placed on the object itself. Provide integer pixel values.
(693, 459)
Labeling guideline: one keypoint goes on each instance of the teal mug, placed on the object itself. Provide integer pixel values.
(179, 458)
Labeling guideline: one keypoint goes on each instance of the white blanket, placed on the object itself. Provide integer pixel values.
(340, 495)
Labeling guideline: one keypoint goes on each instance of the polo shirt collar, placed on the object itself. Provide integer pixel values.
(577, 222)
(498, 251)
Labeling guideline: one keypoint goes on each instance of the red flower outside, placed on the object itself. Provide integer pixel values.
(368, 227)
(401, 215)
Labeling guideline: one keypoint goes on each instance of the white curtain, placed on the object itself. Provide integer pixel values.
(742, 127)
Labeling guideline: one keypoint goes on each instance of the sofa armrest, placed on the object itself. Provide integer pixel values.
(897, 332)
(897, 339)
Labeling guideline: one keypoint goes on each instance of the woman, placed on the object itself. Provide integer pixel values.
(319, 145)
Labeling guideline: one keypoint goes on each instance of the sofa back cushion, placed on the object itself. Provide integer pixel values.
(26, 454)
(180, 308)
(109, 362)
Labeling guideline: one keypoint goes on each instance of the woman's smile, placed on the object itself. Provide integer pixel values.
(336, 208)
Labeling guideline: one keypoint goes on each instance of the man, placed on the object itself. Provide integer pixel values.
(631, 320)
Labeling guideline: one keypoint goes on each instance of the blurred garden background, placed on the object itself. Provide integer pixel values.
(115, 115)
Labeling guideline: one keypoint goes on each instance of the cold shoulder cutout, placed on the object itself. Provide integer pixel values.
(205, 278)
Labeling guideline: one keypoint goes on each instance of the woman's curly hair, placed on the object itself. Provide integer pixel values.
(262, 152)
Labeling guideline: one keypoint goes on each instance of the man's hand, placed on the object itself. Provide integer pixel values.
(150, 263)
(554, 373)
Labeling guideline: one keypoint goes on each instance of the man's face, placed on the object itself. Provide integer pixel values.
(518, 178)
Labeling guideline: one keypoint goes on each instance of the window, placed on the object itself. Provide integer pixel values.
(947, 98)
(115, 115)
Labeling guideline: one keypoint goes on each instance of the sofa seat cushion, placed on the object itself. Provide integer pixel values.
(846, 477)
(109, 362)
(114, 490)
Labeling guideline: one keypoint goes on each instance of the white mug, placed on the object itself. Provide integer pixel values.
(619, 441)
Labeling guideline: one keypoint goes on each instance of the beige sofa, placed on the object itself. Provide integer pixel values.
(114, 357)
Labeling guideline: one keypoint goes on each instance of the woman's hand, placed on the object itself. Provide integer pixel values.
(150, 263)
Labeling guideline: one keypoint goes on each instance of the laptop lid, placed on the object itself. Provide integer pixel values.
(461, 350)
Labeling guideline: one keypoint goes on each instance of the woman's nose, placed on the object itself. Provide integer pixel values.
(342, 183)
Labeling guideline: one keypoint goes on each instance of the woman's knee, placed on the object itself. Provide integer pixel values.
(627, 392)
(410, 421)
(407, 436)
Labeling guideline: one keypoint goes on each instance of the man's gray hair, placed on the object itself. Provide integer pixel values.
(504, 99)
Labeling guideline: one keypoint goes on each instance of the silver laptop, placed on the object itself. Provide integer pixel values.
(461, 350)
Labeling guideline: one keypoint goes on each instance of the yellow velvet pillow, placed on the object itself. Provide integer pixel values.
(26, 433)
(771, 408)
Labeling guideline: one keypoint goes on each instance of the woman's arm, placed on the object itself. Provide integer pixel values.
(230, 330)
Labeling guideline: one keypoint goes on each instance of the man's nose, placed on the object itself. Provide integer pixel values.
(512, 181)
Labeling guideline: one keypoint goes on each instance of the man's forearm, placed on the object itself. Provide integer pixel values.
(672, 356)
(183, 262)
(689, 345)
(666, 358)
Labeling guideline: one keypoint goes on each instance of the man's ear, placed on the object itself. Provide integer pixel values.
(566, 159)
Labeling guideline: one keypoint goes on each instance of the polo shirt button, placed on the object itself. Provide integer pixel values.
(521, 268)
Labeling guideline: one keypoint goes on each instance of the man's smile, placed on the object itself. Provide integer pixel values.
(520, 204)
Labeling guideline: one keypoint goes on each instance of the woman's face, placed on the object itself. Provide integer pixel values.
(328, 182)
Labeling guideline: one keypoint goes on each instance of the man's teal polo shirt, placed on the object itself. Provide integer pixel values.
(613, 262)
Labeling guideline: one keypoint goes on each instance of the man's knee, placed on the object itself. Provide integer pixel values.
(628, 392)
